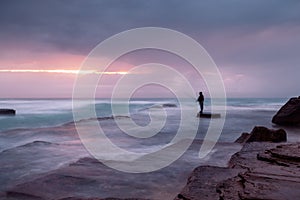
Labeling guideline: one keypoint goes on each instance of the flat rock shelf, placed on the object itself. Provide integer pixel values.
(208, 115)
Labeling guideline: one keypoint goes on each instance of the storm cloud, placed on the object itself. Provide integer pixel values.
(251, 41)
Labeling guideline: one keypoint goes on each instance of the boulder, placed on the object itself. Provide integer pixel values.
(263, 134)
(289, 114)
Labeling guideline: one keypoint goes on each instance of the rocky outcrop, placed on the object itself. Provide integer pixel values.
(7, 112)
(273, 174)
(203, 181)
(289, 114)
(261, 170)
(284, 155)
(263, 134)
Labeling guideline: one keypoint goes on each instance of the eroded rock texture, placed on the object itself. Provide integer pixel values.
(258, 171)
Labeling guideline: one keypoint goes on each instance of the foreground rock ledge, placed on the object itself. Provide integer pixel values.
(259, 171)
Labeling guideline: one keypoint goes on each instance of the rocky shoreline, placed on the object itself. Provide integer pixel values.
(265, 168)
(261, 170)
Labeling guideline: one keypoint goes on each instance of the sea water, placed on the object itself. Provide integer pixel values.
(242, 113)
(46, 121)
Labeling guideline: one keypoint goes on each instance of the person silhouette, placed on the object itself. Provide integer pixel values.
(201, 101)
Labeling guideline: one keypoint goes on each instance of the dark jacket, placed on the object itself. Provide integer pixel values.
(200, 98)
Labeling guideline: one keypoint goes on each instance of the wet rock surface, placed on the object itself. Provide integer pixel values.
(285, 155)
(88, 178)
(203, 181)
(259, 171)
(85, 179)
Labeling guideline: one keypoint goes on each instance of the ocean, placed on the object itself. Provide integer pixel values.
(242, 113)
(41, 139)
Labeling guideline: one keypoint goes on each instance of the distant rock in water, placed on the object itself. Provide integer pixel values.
(7, 112)
(169, 105)
(263, 134)
(289, 114)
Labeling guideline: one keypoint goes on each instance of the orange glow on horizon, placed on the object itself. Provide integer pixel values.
(62, 71)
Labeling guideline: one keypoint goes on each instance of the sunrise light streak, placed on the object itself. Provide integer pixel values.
(61, 71)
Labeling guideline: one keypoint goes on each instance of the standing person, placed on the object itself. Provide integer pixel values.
(201, 101)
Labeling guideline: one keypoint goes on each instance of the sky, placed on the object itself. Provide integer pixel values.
(254, 43)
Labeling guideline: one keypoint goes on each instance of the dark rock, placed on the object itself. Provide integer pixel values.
(247, 157)
(284, 155)
(169, 105)
(274, 174)
(208, 115)
(76, 198)
(289, 114)
(203, 181)
(7, 112)
(261, 170)
(263, 134)
(259, 186)
(23, 196)
(180, 196)
(243, 138)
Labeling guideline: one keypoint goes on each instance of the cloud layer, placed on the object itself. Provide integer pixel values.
(254, 43)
